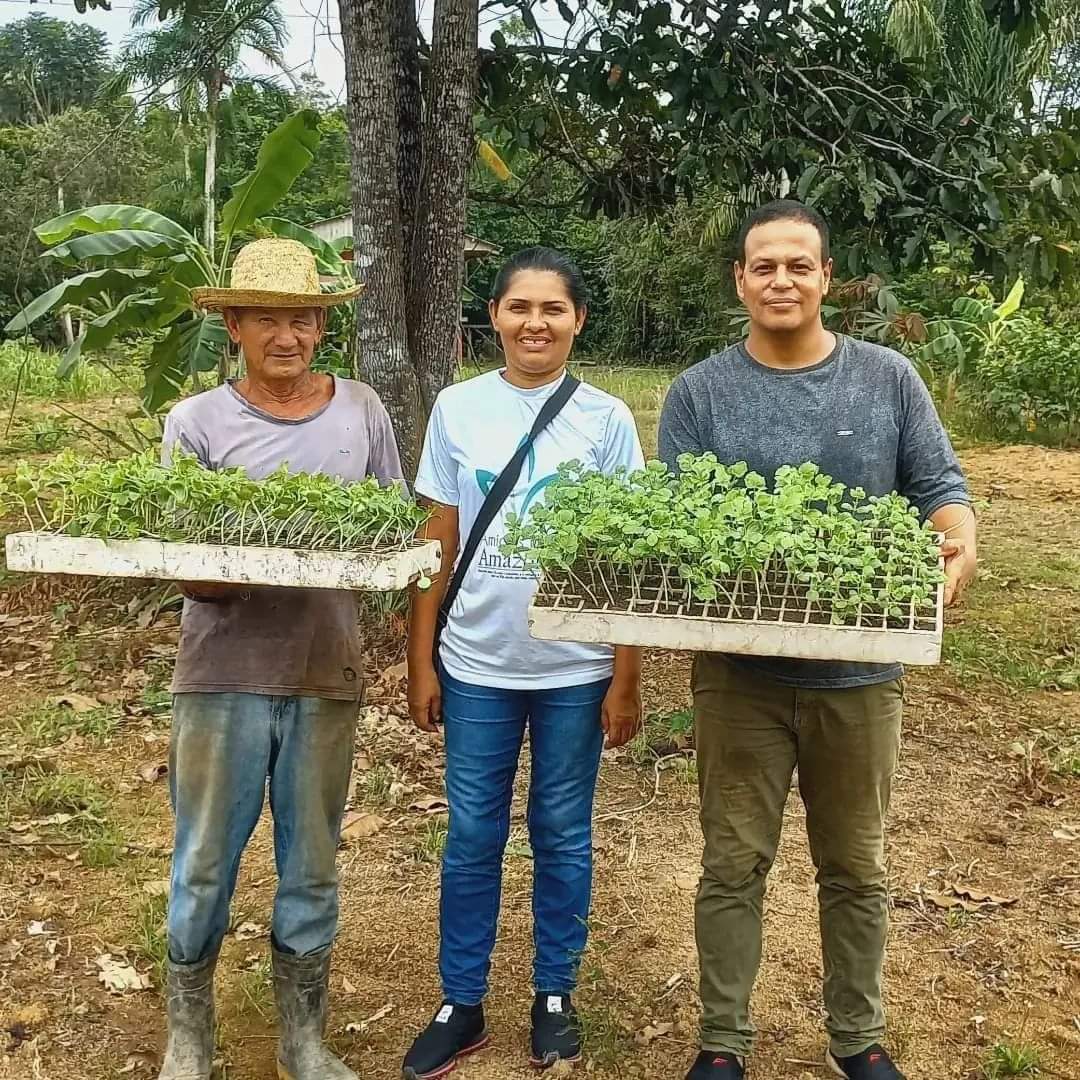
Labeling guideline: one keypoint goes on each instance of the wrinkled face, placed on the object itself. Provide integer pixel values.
(783, 278)
(278, 343)
(536, 322)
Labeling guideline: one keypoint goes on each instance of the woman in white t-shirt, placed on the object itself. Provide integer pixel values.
(494, 680)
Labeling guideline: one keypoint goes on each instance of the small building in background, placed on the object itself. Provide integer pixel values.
(472, 339)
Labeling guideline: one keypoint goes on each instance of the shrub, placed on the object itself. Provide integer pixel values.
(1032, 384)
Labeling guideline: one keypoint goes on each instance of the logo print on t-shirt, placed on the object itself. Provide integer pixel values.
(485, 479)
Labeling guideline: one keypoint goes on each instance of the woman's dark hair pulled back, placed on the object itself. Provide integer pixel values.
(542, 259)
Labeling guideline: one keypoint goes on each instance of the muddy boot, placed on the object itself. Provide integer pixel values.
(300, 984)
(189, 1006)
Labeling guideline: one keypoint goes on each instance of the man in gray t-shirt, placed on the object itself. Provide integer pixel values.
(268, 680)
(794, 392)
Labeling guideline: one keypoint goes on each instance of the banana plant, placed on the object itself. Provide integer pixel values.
(137, 267)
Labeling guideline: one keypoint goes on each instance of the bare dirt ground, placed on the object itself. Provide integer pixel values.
(984, 850)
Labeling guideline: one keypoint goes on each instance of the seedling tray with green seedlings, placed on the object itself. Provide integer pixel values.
(134, 517)
(711, 558)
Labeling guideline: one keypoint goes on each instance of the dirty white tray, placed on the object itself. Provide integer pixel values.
(755, 638)
(51, 553)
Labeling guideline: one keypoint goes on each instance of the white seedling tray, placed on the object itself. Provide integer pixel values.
(696, 634)
(51, 553)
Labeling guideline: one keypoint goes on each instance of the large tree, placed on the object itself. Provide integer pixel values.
(198, 51)
(411, 146)
(47, 65)
(649, 103)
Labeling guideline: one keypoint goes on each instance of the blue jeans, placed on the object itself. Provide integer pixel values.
(485, 727)
(223, 749)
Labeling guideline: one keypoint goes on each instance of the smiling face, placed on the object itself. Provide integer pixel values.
(278, 343)
(782, 278)
(537, 324)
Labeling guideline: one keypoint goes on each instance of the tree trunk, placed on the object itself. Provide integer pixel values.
(213, 95)
(437, 263)
(409, 114)
(367, 28)
(65, 319)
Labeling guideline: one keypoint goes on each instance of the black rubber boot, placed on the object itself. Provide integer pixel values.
(455, 1032)
(556, 1035)
(716, 1065)
(300, 984)
(189, 1007)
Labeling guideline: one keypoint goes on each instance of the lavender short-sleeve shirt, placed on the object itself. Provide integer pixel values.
(279, 641)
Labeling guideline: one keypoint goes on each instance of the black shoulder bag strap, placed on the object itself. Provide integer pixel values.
(496, 496)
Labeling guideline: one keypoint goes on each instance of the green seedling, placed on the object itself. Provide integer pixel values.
(716, 534)
(137, 497)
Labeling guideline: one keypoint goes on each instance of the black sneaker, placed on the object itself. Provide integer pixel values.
(455, 1032)
(716, 1065)
(556, 1035)
(871, 1064)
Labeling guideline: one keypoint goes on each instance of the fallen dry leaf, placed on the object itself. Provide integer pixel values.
(430, 804)
(361, 1027)
(1067, 833)
(153, 771)
(395, 673)
(965, 898)
(249, 931)
(78, 703)
(157, 887)
(359, 826)
(120, 978)
(39, 929)
(346, 986)
(686, 882)
(651, 1032)
(139, 1063)
(53, 819)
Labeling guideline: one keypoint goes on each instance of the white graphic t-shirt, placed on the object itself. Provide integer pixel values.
(474, 430)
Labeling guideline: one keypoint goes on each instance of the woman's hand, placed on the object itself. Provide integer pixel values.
(425, 696)
(620, 715)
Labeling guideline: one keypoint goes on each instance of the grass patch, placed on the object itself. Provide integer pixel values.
(1007, 1058)
(643, 389)
(30, 373)
(61, 807)
(256, 988)
(47, 724)
(1044, 661)
(375, 785)
(605, 1038)
(1026, 565)
(151, 939)
(431, 843)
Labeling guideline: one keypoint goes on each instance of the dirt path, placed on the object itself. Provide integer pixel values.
(988, 802)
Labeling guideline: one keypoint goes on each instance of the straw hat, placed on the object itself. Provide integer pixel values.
(273, 273)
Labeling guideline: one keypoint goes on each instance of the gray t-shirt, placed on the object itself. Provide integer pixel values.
(279, 641)
(862, 414)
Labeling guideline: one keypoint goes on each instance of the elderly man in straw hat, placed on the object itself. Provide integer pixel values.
(267, 681)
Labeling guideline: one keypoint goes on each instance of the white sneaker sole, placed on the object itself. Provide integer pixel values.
(834, 1065)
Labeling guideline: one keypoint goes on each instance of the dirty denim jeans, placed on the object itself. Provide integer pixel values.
(485, 727)
(751, 733)
(224, 749)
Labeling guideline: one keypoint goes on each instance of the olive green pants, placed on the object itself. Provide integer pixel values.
(751, 733)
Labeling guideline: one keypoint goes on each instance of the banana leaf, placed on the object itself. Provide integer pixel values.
(109, 217)
(76, 290)
(285, 153)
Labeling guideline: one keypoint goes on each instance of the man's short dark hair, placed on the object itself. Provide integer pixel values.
(783, 210)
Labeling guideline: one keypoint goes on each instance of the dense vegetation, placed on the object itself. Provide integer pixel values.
(937, 211)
